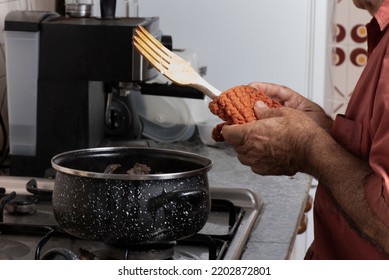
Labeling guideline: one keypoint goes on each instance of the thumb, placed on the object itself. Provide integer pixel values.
(260, 104)
(258, 108)
(264, 112)
(233, 134)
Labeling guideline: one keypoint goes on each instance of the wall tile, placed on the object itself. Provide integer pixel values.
(350, 57)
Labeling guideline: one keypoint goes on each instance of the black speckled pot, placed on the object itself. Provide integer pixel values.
(122, 209)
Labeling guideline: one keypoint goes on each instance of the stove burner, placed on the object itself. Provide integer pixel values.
(149, 251)
(21, 205)
(16, 204)
(118, 253)
(12, 250)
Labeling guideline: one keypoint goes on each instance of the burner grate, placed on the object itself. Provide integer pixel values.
(217, 243)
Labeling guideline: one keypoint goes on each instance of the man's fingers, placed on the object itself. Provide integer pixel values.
(233, 134)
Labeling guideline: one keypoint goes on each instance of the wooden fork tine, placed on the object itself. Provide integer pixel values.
(146, 53)
(151, 54)
(169, 64)
(141, 30)
(152, 49)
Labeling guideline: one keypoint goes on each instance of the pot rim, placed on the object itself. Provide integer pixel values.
(206, 162)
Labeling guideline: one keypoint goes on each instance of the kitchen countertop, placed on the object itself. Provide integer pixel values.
(284, 199)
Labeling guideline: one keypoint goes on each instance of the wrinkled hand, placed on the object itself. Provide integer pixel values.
(275, 144)
(292, 99)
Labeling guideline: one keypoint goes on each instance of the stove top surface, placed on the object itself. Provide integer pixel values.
(33, 233)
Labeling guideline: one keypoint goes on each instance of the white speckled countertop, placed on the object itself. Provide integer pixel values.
(284, 199)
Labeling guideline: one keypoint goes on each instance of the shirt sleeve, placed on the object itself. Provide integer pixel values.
(377, 186)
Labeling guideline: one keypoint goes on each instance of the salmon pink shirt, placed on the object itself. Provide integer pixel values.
(363, 131)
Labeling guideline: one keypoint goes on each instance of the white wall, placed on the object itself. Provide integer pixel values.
(240, 41)
(244, 41)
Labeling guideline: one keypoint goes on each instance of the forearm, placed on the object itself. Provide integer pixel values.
(344, 176)
(323, 120)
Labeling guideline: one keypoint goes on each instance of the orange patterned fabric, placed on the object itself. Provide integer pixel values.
(236, 106)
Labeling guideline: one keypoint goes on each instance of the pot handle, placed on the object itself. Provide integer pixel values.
(158, 201)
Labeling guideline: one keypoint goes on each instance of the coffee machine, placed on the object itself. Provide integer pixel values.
(67, 84)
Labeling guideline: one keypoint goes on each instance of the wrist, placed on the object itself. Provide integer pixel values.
(314, 148)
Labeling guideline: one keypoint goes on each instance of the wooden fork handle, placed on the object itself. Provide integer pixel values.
(206, 88)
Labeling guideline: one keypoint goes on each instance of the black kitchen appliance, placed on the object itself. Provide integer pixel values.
(69, 80)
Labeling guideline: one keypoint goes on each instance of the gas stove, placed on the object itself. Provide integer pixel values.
(28, 229)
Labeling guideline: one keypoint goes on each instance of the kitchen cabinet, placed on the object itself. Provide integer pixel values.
(304, 236)
(284, 199)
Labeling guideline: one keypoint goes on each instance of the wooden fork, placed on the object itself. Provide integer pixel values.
(169, 64)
